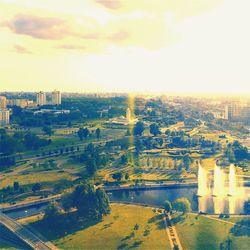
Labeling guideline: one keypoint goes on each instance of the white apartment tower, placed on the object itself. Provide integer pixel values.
(3, 102)
(41, 98)
(56, 97)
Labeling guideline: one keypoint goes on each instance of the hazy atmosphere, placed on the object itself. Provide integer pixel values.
(124, 125)
(125, 45)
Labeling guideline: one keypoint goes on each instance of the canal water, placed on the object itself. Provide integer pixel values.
(156, 197)
(206, 204)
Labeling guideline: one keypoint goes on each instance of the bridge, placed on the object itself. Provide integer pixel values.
(25, 234)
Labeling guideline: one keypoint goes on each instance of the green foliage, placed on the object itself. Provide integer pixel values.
(235, 152)
(48, 130)
(18, 142)
(155, 129)
(124, 159)
(186, 161)
(247, 207)
(167, 206)
(83, 133)
(16, 185)
(52, 212)
(98, 133)
(93, 159)
(126, 176)
(88, 201)
(139, 128)
(182, 205)
(32, 141)
(117, 176)
(36, 187)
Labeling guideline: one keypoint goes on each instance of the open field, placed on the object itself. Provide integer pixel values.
(115, 231)
(200, 232)
(4, 246)
(32, 178)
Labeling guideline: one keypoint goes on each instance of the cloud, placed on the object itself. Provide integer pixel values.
(110, 4)
(94, 36)
(21, 49)
(118, 36)
(71, 47)
(38, 27)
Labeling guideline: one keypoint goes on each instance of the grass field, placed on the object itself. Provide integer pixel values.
(199, 232)
(115, 231)
(4, 246)
(32, 178)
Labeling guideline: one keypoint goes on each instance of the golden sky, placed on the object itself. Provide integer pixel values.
(125, 45)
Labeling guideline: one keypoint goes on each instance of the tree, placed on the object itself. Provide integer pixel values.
(48, 130)
(247, 207)
(102, 201)
(138, 147)
(98, 133)
(139, 128)
(167, 132)
(182, 205)
(229, 244)
(124, 159)
(167, 206)
(83, 133)
(66, 201)
(16, 185)
(126, 176)
(52, 212)
(236, 152)
(186, 161)
(91, 166)
(117, 176)
(36, 187)
(161, 142)
(154, 129)
(89, 202)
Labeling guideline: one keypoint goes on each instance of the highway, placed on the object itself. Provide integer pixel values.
(24, 234)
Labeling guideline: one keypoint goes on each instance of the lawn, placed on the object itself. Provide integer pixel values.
(4, 246)
(199, 232)
(115, 231)
(31, 178)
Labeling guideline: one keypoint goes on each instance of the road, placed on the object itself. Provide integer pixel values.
(30, 203)
(55, 151)
(25, 235)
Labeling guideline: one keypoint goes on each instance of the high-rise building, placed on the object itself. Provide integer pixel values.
(238, 112)
(4, 117)
(3, 102)
(41, 98)
(56, 97)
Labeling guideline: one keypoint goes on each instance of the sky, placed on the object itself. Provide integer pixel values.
(182, 46)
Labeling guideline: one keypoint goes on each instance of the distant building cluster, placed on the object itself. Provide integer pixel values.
(55, 99)
(23, 103)
(238, 112)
